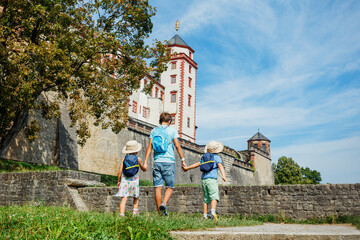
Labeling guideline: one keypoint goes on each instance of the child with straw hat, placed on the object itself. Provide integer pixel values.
(128, 179)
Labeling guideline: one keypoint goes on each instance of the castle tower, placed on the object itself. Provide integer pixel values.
(179, 81)
(259, 141)
(259, 150)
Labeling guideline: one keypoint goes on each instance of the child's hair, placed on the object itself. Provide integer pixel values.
(165, 117)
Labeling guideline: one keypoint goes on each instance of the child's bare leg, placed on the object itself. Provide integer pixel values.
(205, 208)
(123, 205)
(213, 204)
(136, 206)
(136, 203)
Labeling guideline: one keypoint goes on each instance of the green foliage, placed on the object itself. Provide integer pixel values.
(15, 166)
(41, 222)
(111, 181)
(63, 223)
(287, 171)
(91, 53)
(145, 183)
(310, 176)
(354, 220)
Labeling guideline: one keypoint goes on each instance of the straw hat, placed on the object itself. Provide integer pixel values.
(214, 147)
(131, 147)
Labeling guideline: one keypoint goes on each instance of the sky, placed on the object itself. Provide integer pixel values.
(288, 68)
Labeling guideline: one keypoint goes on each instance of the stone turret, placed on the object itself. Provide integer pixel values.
(259, 142)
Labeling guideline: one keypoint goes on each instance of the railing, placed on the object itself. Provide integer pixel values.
(179, 55)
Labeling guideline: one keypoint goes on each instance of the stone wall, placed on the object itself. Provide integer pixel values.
(57, 145)
(50, 188)
(295, 201)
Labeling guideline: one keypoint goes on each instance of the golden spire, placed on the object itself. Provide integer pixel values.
(177, 25)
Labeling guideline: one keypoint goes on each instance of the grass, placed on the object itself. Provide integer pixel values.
(111, 181)
(16, 166)
(28, 222)
(41, 222)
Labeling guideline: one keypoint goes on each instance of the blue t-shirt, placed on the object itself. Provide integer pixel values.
(169, 155)
(214, 172)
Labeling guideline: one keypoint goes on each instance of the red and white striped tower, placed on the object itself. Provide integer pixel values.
(179, 81)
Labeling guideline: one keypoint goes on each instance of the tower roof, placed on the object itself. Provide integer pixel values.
(177, 40)
(259, 136)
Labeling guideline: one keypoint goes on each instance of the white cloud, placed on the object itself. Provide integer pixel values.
(277, 66)
(338, 161)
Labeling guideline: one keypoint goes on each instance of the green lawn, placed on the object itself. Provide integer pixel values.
(41, 222)
(64, 223)
(17, 166)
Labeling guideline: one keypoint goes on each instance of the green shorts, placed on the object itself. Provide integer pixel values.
(210, 189)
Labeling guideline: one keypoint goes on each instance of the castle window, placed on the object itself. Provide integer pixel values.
(173, 118)
(156, 92)
(188, 122)
(161, 95)
(190, 55)
(145, 82)
(189, 100)
(146, 112)
(189, 69)
(173, 65)
(264, 147)
(173, 78)
(134, 107)
(173, 97)
(255, 146)
(190, 80)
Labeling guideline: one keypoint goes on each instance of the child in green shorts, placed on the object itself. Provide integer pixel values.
(209, 165)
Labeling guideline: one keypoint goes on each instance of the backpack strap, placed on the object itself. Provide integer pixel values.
(128, 166)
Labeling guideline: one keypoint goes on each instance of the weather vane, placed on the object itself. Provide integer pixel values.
(177, 25)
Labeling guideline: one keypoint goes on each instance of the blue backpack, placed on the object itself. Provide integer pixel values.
(160, 140)
(207, 162)
(131, 165)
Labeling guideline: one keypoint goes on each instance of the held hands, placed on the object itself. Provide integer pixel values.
(118, 185)
(183, 166)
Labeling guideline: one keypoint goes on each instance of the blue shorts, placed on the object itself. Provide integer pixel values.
(164, 172)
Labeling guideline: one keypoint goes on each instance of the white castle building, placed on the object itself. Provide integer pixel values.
(175, 93)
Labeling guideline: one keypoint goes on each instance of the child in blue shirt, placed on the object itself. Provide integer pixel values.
(209, 179)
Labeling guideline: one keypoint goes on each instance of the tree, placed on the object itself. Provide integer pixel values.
(287, 171)
(90, 53)
(310, 176)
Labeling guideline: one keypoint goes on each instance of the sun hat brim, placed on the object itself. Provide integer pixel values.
(218, 148)
(137, 149)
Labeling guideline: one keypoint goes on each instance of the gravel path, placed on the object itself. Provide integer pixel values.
(275, 231)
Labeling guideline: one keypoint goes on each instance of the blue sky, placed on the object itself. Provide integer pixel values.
(288, 68)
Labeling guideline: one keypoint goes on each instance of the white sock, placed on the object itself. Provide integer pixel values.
(213, 211)
(205, 215)
(135, 211)
(122, 215)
